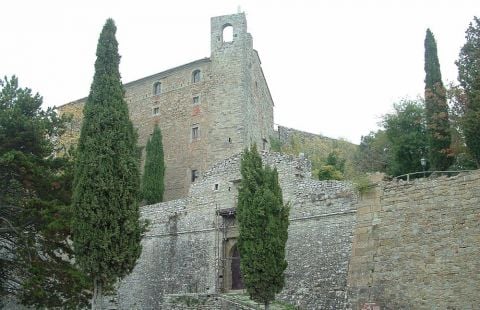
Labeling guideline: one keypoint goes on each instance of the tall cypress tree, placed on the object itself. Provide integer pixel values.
(436, 109)
(153, 176)
(469, 77)
(263, 227)
(107, 231)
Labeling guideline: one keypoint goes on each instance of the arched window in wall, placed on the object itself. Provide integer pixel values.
(157, 88)
(196, 76)
(227, 33)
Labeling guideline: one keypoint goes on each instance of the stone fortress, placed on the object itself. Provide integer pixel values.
(402, 245)
(208, 109)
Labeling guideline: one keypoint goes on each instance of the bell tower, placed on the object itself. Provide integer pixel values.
(229, 32)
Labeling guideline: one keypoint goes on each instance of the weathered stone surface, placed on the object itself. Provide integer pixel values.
(417, 245)
(234, 107)
(186, 248)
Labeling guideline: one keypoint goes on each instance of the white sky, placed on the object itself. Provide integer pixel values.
(333, 66)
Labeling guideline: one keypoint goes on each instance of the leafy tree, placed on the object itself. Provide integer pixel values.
(371, 155)
(107, 231)
(457, 99)
(436, 109)
(469, 77)
(275, 144)
(406, 133)
(153, 176)
(329, 172)
(333, 169)
(263, 225)
(35, 214)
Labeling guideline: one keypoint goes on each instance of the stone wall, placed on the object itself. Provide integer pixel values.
(319, 244)
(285, 134)
(417, 245)
(185, 244)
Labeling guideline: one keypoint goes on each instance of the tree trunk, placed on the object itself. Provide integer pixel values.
(97, 297)
(94, 295)
(267, 305)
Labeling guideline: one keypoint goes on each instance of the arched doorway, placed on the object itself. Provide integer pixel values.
(237, 279)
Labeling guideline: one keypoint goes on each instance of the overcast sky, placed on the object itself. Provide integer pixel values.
(333, 67)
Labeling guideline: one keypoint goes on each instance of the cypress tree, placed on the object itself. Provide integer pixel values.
(469, 77)
(436, 109)
(263, 229)
(153, 176)
(107, 231)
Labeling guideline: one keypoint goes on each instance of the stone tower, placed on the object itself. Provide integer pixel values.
(208, 109)
(241, 102)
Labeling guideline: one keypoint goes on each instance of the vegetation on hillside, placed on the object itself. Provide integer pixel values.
(317, 149)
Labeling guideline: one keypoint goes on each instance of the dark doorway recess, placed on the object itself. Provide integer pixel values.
(237, 280)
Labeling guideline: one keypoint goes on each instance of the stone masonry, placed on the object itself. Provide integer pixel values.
(404, 245)
(417, 245)
(188, 246)
(208, 109)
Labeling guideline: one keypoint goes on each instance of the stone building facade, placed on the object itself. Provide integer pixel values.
(207, 110)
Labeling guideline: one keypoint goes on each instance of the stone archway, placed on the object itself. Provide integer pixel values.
(237, 279)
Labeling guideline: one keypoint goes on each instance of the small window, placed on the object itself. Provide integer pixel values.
(196, 100)
(264, 144)
(196, 76)
(194, 175)
(215, 187)
(157, 88)
(156, 111)
(195, 133)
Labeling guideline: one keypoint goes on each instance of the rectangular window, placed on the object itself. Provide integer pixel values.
(264, 144)
(156, 111)
(195, 133)
(194, 175)
(196, 100)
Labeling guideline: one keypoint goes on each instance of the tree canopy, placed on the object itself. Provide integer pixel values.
(333, 168)
(406, 133)
(35, 213)
(469, 77)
